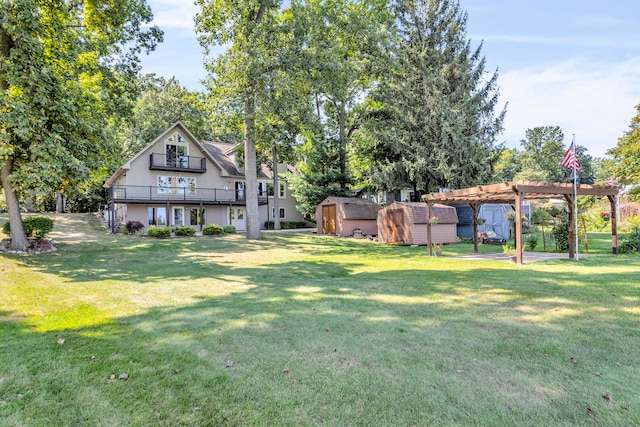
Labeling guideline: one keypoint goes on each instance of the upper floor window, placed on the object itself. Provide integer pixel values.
(282, 194)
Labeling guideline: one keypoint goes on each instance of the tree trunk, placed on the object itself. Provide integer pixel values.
(343, 145)
(276, 191)
(250, 171)
(18, 238)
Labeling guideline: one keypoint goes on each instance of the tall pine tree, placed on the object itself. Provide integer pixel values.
(432, 119)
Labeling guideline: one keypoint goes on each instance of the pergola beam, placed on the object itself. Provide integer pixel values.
(514, 193)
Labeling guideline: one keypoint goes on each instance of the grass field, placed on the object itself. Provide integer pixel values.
(305, 330)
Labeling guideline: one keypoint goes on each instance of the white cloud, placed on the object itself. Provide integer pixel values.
(173, 13)
(594, 101)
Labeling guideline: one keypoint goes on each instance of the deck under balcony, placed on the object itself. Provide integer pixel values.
(143, 194)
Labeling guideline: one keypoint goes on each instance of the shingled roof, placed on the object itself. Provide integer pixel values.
(355, 208)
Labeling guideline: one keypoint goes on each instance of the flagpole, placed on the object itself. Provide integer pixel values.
(575, 197)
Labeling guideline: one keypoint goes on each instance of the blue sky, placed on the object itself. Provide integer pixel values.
(568, 63)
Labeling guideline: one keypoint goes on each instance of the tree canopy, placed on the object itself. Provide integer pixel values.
(65, 69)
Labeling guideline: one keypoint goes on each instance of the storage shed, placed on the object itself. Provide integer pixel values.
(405, 223)
(342, 215)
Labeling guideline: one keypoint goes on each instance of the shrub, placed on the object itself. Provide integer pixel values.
(212, 229)
(561, 234)
(286, 225)
(628, 244)
(159, 232)
(184, 230)
(132, 227)
(229, 229)
(531, 241)
(37, 226)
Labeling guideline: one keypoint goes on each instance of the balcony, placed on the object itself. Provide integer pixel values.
(163, 162)
(155, 194)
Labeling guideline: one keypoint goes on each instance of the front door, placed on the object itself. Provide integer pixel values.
(329, 219)
(178, 216)
(237, 218)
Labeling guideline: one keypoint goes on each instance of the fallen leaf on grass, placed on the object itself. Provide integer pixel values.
(242, 315)
(597, 374)
(60, 341)
(285, 370)
(574, 361)
(112, 377)
(459, 371)
(590, 412)
(328, 330)
(608, 397)
(123, 377)
(229, 363)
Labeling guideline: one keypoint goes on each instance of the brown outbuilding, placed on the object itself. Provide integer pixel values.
(343, 216)
(405, 223)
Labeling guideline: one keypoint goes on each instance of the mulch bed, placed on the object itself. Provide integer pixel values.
(36, 246)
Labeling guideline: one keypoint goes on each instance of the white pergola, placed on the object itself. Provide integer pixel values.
(514, 193)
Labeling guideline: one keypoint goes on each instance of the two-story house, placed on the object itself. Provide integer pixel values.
(179, 180)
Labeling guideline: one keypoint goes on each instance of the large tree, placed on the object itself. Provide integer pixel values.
(432, 120)
(62, 64)
(626, 155)
(239, 75)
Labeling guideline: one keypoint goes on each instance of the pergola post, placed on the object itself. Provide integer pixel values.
(430, 249)
(614, 225)
(474, 207)
(572, 234)
(518, 235)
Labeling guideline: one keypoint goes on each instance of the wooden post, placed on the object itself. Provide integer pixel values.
(614, 225)
(572, 235)
(518, 233)
(474, 207)
(430, 249)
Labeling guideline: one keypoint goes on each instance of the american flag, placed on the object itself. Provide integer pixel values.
(569, 160)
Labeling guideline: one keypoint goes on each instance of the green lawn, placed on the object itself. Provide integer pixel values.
(319, 330)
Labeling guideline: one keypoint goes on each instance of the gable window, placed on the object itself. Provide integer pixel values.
(157, 216)
(176, 151)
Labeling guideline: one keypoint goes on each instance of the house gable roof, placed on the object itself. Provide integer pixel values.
(218, 153)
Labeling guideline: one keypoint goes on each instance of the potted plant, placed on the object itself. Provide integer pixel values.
(433, 220)
(480, 221)
(510, 216)
(510, 252)
(436, 248)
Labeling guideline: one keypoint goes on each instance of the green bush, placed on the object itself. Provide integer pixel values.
(286, 225)
(531, 241)
(229, 229)
(34, 226)
(561, 234)
(159, 232)
(184, 230)
(132, 227)
(212, 229)
(628, 244)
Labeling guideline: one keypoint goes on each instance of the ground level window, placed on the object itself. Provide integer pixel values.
(196, 216)
(282, 213)
(157, 216)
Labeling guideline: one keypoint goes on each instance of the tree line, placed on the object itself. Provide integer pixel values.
(356, 93)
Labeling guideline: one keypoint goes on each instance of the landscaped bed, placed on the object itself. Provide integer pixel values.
(300, 329)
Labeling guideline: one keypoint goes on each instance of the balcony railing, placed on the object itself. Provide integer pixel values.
(159, 161)
(150, 194)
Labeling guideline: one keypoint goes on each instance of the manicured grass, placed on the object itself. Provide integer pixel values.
(320, 330)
